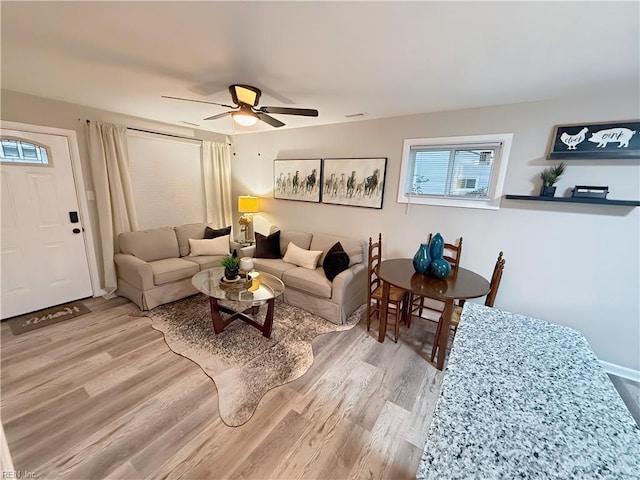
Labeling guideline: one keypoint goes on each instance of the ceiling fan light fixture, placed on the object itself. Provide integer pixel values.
(245, 117)
(245, 94)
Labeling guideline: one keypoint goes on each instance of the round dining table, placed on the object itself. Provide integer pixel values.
(461, 285)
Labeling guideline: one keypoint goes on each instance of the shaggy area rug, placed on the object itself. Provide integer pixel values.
(243, 363)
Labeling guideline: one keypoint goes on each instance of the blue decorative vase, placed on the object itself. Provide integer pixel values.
(436, 246)
(421, 259)
(439, 268)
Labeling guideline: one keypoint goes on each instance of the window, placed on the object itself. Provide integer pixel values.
(454, 171)
(166, 178)
(16, 151)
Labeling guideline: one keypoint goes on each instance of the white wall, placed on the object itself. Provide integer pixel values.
(575, 265)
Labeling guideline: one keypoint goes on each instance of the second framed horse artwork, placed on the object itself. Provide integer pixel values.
(357, 182)
(297, 180)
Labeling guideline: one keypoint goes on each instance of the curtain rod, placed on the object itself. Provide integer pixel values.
(158, 133)
(165, 134)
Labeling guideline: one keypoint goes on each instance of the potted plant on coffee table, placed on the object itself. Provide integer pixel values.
(550, 176)
(231, 266)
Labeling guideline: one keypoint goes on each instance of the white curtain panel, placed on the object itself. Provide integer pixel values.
(216, 170)
(114, 195)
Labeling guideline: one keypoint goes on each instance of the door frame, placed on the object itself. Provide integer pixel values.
(81, 193)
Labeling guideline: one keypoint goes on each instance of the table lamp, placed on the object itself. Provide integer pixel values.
(247, 205)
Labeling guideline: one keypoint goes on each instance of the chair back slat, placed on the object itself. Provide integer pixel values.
(375, 257)
(396, 306)
(495, 281)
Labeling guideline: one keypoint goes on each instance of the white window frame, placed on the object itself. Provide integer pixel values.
(497, 176)
(21, 160)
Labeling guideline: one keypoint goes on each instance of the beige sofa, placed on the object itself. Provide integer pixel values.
(154, 266)
(310, 289)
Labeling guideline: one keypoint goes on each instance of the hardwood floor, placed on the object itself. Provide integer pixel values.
(102, 396)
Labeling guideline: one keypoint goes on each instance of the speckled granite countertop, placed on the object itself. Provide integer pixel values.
(524, 398)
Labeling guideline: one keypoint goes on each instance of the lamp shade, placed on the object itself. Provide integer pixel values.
(245, 116)
(248, 204)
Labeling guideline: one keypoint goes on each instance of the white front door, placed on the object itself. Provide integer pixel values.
(43, 255)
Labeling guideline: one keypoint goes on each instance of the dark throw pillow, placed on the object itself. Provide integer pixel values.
(268, 247)
(210, 233)
(335, 261)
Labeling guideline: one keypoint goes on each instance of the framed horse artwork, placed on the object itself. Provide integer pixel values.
(357, 182)
(297, 180)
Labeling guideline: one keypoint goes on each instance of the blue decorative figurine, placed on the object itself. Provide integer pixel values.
(436, 246)
(439, 268)
(421, 259)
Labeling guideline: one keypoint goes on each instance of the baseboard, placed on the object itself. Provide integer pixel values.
(619, 371)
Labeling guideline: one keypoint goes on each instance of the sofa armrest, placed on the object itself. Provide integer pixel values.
(247, 251)
(233, 245)
(350, 283)
(134, 271)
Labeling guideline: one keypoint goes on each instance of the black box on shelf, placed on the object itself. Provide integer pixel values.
(585, 191)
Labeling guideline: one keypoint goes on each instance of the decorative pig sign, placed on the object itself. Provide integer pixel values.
(605, 140)
(620, 135)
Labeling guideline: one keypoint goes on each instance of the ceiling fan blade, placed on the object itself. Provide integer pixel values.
(220, 115)
(270, 120)
(306, 112)
(198, 101)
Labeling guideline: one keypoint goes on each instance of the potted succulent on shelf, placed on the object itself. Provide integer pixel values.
(231, 264)
(550, 176)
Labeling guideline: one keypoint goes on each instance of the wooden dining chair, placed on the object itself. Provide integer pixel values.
(496, 277)
(430, 308)
(398, 298)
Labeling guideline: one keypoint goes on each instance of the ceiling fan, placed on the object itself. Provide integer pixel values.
(246, 111)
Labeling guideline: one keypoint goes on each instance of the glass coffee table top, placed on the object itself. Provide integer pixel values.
(251, 295)
(210, 283)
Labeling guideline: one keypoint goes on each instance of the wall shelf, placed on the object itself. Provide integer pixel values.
(593, 201)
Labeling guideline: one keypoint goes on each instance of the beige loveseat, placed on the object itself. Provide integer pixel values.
(155, 266)
(310, 289)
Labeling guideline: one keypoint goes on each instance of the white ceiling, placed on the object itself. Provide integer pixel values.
(382, 59)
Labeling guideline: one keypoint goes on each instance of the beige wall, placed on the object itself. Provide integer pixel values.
(575, 265)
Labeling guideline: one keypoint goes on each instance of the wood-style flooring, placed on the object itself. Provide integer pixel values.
(102, 396)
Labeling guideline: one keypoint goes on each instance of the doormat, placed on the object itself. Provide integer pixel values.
(49, 316)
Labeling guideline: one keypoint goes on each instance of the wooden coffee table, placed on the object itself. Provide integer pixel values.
(209, 283)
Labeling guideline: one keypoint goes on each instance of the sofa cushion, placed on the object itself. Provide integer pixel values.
(150, 245)
(311, 281)
(301, 257)
(335, 261)
(273, 266)
(213, 246)
(185, 232)
(353, 248)
(172, 269)
(301, 239)
(205, 261)
(268, 247)
(220, 232)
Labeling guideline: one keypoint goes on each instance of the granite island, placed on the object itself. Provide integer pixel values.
(524, 398)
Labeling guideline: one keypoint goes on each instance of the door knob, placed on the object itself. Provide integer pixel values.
(76, 230)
